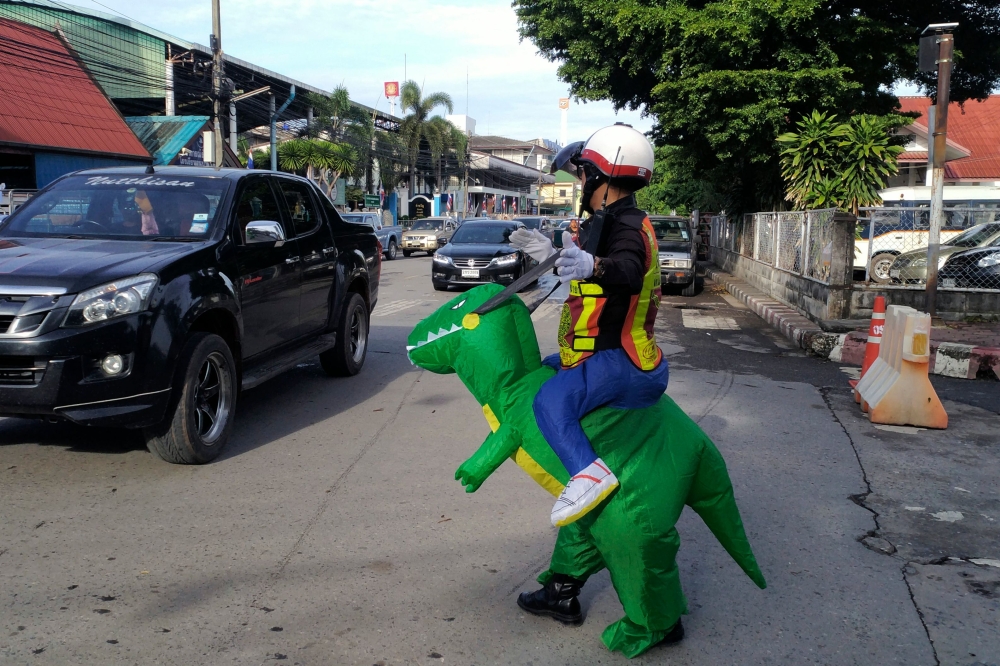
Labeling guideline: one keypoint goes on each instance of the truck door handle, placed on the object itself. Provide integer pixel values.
(329, 250)
(292, 260)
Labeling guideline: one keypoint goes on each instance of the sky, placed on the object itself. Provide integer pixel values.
(512, 90)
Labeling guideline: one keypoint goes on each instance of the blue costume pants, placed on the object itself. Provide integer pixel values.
(607, 378)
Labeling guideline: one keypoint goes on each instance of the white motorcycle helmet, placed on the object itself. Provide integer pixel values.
(617, 153)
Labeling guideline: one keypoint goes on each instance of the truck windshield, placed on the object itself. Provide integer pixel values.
(671, 230)
(354, 218)
(122, 207)
(427, 225)
(493, 234)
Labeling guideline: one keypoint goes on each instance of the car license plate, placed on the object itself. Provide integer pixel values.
(470, 273)
(948, 282)
(894, 273)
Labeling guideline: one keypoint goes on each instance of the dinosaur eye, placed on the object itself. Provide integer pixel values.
(459, 304)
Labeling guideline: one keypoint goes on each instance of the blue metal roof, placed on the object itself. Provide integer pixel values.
(164, 136)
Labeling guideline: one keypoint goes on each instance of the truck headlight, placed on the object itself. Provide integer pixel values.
(115, 299)
(441, 259)
(505, 260)
(989, 260)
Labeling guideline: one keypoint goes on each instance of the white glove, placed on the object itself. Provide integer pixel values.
(574, 263)
(533, 243)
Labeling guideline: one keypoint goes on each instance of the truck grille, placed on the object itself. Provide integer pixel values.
(21, 370)
(5, 322)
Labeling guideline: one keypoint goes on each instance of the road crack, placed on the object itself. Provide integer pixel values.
(860, 500)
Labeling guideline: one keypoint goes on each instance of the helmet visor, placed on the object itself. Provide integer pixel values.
(565, 159)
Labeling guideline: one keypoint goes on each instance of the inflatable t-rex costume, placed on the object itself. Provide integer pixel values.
(663, 458)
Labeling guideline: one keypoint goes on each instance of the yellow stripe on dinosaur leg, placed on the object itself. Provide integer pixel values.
(491, 418)
(536, 472)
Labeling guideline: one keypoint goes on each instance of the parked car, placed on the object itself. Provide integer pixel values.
(388, 236)
(911, 267)
(540, 222)
(479, 253)
(978, 268)
(678, 251)
(427, 235)
(150, 300)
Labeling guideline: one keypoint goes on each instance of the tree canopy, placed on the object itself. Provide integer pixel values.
(724, 79)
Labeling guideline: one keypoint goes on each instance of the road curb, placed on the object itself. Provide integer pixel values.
(948, 359)
(793, 324)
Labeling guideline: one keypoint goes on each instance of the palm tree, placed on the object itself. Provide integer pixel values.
(417, 126)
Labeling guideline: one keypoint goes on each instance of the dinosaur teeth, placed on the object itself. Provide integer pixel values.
(432, 336)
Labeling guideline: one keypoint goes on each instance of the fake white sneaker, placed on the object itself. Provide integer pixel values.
(583, 492)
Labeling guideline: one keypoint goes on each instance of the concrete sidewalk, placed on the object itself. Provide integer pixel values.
(964, 351)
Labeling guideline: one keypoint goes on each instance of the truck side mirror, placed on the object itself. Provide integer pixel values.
(265, 231)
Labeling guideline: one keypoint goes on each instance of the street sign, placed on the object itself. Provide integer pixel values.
(928, 61)
(392, 88)
(564, 102)
(371, 201)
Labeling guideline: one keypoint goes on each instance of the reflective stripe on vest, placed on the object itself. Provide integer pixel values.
(637, 334)
(578, 324)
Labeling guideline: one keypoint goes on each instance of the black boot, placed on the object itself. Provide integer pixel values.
(557, 600)
(675, 634)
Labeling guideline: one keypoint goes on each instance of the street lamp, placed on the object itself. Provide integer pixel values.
(942, 40)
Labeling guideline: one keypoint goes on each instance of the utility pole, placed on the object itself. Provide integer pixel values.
(274, 126)
(217, 80)
(942, 36)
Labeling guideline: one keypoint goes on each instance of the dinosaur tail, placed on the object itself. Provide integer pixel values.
(711, 496)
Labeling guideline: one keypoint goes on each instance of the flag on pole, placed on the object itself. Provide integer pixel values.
(381, 195)
(451, 202)
(250, 160)
(515, 206)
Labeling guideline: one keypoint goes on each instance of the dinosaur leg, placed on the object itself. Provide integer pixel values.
(574, 555)
(644, 573)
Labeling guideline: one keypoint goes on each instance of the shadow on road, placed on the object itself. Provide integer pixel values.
(301, 397)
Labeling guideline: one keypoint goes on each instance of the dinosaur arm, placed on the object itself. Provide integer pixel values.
(498, 446)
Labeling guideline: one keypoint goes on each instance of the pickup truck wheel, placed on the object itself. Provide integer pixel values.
(390, 253)
(198, 428)
(407, 253)
(690, 288)
(348, 355)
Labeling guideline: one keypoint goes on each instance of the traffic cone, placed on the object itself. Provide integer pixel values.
(873, 344)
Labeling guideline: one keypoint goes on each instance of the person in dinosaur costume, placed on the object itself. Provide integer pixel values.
(664, 461)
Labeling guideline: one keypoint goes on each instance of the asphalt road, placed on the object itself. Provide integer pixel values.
(332, 530)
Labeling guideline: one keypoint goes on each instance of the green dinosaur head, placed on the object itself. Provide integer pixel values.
(486, 351)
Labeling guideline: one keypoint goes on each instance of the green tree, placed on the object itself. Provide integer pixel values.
(673, 187)
(832, 164)
(418, 126)
(724, 78)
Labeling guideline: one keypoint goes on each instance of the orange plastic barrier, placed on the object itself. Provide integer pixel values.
(897, 388)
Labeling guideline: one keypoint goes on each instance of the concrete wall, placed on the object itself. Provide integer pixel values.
(951, 305)
(818, 301)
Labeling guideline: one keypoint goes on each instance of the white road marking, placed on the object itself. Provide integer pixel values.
(915, 508)
(853, 373)
(547, 311)
(695, 319)
(948, 516)
(392, 307)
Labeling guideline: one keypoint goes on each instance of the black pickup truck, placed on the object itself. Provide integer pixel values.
(150, 299)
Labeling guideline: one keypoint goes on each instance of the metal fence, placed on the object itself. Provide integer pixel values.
(797, 242)
(891, 247)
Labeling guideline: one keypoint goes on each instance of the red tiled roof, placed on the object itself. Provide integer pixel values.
(912, 156)
(48, 100)
(976, 127)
